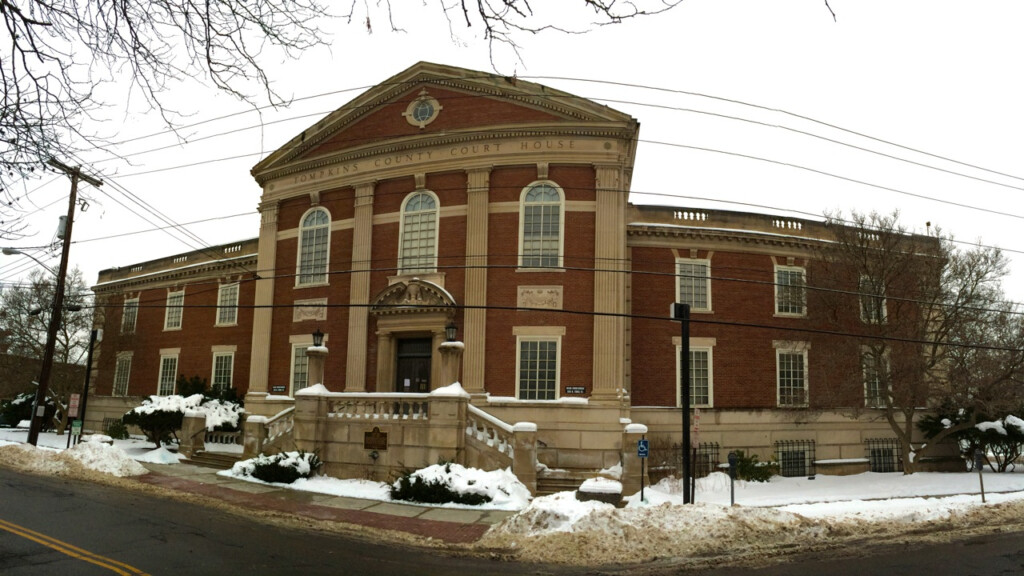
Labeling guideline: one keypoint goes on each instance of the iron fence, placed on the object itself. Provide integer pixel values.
(883, 455)
(795, 457)
(704, 461)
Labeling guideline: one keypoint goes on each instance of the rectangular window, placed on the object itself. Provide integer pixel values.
(129, 315)
(122, 371)
(172, 314)
(700, 376)
(790, 291)
(872, 300)
(223, 368)
(537, 374)
(874, 367)
(300, 367)
(792, 377)
(168, 374)
(227, 305)
(694, 284)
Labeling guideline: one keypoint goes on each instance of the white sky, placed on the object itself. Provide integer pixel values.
(937, 76)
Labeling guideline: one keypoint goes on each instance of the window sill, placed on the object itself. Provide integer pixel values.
(311, 285)
(225, 325)
(175, 329)
(788, 315)
(547, 269)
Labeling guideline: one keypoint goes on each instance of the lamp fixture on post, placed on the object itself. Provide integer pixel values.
(451, 331)
(318, 337)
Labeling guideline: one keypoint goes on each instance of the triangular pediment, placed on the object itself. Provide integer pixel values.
(466, 105)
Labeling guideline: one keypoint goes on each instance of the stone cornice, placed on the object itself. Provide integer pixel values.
(656, 235)
(160, 278)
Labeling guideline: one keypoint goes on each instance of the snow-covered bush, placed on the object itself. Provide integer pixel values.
(749, 468)
(444, 483)
(283, 468)
(159, 417)
(20, 408)
(117, 430)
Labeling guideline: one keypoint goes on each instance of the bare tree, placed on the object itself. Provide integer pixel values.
(23, 325)
(930, 324)
(57, 54)
(57, 58)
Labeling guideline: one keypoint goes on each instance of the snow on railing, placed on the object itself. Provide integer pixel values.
(280, 424)
(380, 406)
(489, 430)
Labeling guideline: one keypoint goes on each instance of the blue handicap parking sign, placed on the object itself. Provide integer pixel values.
(643, 448)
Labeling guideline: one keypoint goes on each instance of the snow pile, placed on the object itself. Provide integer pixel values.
(601, 486)
(94, 456)
(104, 458)
(598, 533)
(159, 456)
(505, 491)
(218, 413)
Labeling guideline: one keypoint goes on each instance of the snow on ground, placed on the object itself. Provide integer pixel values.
(770, 516)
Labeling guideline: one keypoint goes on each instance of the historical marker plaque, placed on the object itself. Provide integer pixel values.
(375, 440)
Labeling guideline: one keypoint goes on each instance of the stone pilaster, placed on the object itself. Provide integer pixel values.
(609, 285)
(263, 315)
(359, 290)
(475, 297)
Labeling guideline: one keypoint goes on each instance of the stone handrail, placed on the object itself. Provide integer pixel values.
(490, 430)
(262, 432)
(280, 424)
(380, 406)
(223, 437)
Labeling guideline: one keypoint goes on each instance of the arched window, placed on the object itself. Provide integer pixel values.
(417, 246)
(541, 220)
(314, 239)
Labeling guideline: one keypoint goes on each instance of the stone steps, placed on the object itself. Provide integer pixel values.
(218, 460)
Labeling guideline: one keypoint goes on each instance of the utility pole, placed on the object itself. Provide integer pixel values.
(57, 312)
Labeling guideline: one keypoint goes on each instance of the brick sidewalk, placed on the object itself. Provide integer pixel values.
(460, 532)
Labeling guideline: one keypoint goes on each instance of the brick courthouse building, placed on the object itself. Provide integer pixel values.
(446, 196)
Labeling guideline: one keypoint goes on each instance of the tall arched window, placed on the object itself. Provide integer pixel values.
(541, 220)
(314, 239)
(417, 246)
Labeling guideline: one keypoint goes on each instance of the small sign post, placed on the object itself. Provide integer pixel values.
(643, 450)
(979, 463)
(732, 478)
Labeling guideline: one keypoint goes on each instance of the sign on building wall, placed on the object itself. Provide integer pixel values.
(375, 440)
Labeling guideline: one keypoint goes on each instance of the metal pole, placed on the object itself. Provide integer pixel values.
(683, 311)
(88, 373)
(58, 304)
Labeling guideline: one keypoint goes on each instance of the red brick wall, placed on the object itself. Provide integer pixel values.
(744, 326)
(196, 338)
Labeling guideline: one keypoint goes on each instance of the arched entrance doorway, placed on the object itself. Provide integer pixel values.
(411, 317)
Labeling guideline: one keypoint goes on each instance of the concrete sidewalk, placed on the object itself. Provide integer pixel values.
(454, 526)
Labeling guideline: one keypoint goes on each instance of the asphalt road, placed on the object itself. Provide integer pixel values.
(74, 528)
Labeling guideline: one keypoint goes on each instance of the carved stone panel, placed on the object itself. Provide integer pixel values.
(549, 297)
(313, 309)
